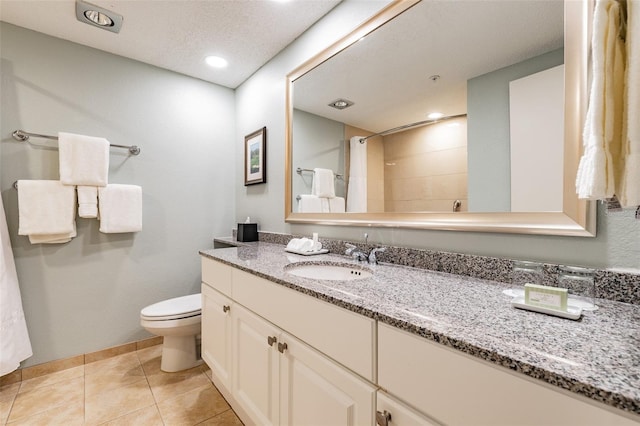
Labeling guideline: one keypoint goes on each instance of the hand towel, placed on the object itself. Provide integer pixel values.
(46, 207)
(600, 164)
(309, 204)
(336, 205)
(323, 183)
(84, 160)
(120, 208)
(630, 191)
(357, 189)
(88, 201)
(53, 238)
(15, 345)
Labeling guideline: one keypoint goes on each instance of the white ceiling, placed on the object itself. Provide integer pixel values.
(178, 34)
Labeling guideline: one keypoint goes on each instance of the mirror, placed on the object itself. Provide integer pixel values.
(481, 63)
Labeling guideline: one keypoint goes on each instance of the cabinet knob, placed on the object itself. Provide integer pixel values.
(383, 419)
(271, 340)
(282, 347)
(226, 308)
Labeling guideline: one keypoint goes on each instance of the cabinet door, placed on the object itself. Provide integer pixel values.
(316, 391)
(216, 333)
(255, 379)
(398, 414)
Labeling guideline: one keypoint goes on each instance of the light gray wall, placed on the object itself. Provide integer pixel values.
(260, 101)
(86, 295)
(488, 142)
(322, 146)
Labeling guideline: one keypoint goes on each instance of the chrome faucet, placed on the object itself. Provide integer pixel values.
(360, 255)
(373, 260)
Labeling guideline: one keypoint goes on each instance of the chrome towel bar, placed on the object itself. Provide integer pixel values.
(300, 170)
(22, 136)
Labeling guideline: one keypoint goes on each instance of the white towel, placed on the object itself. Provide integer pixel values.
(46, 207)
(53, 238)
(600, 164)
(630, 187)
(323, 183)
(15, 345)
(357, 189)
(88, 201)
(120, 208)
(336, 205)
(309, 204)
(84, 160)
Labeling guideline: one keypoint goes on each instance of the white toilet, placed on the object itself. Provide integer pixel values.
(178, 321)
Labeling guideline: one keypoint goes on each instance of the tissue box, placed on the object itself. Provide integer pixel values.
(247, 232)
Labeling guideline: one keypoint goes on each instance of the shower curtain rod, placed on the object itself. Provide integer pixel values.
(416, 124)
(22, 136)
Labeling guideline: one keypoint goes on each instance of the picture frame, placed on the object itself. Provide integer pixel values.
(255, 157)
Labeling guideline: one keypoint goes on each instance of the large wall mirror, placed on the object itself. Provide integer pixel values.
(435, 114)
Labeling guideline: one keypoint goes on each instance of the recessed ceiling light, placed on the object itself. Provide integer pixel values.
(435, 115)
(216, 61)
(98, 17)
(340, 104)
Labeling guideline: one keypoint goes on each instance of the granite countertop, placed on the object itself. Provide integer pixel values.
(597, 356)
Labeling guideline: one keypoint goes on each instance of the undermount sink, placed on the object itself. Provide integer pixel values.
(332, 271)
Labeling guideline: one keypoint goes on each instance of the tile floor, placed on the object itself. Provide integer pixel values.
(128, 389)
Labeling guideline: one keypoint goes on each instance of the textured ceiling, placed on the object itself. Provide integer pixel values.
(178, 34)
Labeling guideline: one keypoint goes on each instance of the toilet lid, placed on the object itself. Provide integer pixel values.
(177, 307)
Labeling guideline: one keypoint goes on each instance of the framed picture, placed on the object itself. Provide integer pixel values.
(255, 157)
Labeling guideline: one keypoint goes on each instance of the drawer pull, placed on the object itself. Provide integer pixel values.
(271, 340)
(282, 347)
(226, 308)
(383, 419)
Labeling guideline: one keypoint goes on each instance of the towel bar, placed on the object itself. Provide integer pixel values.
(22, 136)
(299, 171)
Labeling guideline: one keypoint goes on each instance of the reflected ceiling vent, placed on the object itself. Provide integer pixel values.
(98, 17)
(341, 104)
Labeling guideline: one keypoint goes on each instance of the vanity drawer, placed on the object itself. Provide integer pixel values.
(455, 388)
(217, 275)
(345, 336)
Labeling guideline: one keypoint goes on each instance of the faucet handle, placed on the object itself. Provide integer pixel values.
(350, 248)
(372, 255)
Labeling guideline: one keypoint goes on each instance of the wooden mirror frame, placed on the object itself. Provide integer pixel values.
(578, 217)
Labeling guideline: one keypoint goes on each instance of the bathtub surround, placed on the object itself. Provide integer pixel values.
(87, 294)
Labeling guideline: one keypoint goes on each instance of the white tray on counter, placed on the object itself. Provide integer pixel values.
(572, 312)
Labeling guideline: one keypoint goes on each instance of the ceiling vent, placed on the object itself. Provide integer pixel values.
(98, 17)
(341, 104)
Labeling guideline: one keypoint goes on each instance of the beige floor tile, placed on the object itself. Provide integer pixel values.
(228, 418)
(101, 382)
(168, 385)
(114, 403)
(11, 391)
(52, 367)
(192, 407)
(116, 365)
(52, 378)
(149, 416)
(67, 415)
(150, 358)
(45, 398)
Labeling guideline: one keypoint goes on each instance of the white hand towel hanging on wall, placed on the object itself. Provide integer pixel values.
(357, 189)
(88, 201)
(15, 345)
(323, 183)
(120, 208)
(84, 160)
(630, 192)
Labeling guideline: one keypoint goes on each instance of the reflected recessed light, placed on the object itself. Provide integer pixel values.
(435, 115)
(216, 61)
(340, 104)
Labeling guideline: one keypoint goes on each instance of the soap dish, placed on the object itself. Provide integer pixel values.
(307, 253)
(572, 312)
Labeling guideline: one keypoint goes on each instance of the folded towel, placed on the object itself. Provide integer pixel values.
(84, 160)
(46, 207)
(323, 183)
(53, 238)
(336, 205)
(630, 191)
(300, 244)
(309, 204)
(120, 208)
(88, 201)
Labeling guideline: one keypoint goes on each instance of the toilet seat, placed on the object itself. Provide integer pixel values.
(171, 309)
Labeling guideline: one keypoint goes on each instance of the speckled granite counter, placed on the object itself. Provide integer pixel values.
(597, 356)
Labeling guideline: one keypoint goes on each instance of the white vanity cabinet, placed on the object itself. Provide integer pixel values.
(392, 412)
(454, 388)
(276, 378)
